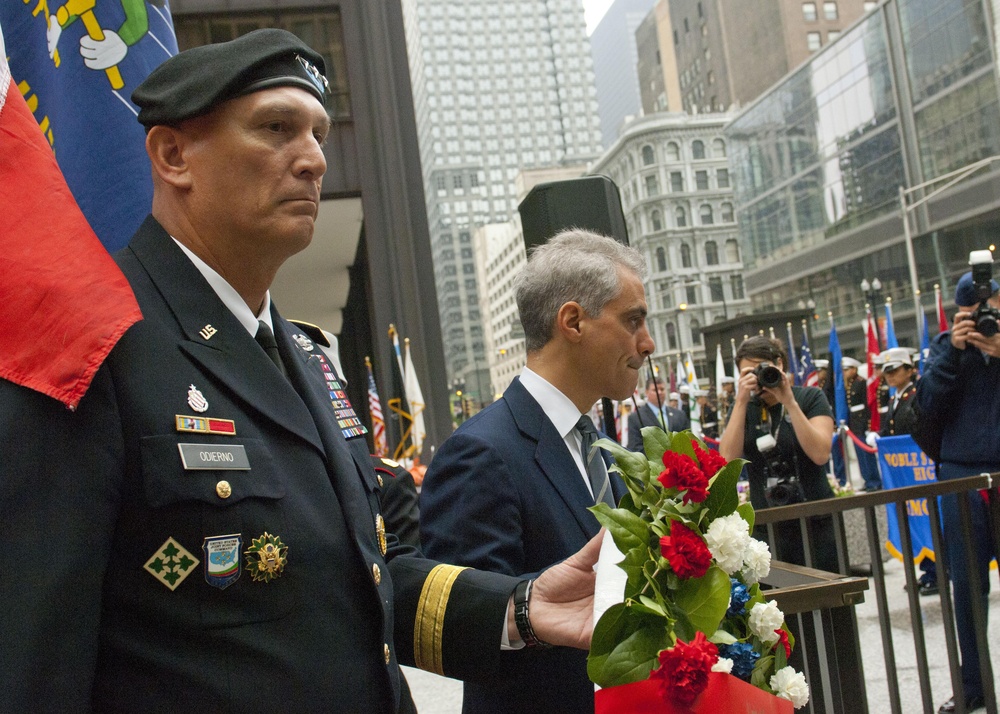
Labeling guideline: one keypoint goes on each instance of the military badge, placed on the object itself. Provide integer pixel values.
(171, 564)
(196, 400)
(204, 425)
(380, 532)
(222, 560)
(266, 558)
(303, 342)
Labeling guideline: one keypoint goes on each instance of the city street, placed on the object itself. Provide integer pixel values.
(439, 695)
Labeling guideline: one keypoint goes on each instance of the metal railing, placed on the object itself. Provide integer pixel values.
(827, 678)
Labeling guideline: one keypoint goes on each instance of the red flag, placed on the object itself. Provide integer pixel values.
(942, 318)
(63, 301)
(872, 350)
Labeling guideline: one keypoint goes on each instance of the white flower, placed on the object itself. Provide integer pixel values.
(764, 619)
(791, 685)
(727, 539)
(723, 665)
(756, 562)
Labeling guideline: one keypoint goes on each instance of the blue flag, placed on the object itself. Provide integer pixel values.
(839, 392)
(77, 68)
(890, 331)
(925, 346)
(793, 362)
(807, 369)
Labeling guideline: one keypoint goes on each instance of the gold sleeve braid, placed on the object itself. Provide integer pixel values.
(428, 630)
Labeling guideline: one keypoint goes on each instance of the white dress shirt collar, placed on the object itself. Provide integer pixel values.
(557, 406)
(230, 298)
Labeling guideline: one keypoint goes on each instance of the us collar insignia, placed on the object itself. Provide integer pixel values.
(196, 400)
(222, 560)
(303, 342)
(266, 558)
(204, 425)
(207, 331)
(171, 564)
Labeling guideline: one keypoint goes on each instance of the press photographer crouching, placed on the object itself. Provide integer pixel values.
(785, 433)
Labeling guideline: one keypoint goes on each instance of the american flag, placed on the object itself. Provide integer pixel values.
(807, 370)
(379, 442)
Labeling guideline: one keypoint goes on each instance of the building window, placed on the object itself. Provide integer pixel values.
(685, 255)
(652, 186)
(711, 252)
(456, 181)
(701, 180)
(647, 155)
(681, 216)
(656, 220)
(474, 180)
(706, 214)
(676, 182)
(671, 336)
(715, 287)
(718, 148)
(701, 13)
(832, 35)
(441, 183)
(673, 152)
(722, 178)
(869, 6)
(692, 294)
(732, 251)
(813, 41)
(726, 213)
(661, 259)
(695, 332)
(830, 10)
(697, 149)
(736, 283)
(809, 11)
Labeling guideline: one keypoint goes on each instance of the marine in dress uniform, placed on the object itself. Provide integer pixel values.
(859, 421)
(204, 533)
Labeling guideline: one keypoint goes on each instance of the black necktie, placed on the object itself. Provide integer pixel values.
(265, 338)
(596, 471)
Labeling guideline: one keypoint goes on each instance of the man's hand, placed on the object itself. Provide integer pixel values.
(961, 328)
(561, 607)
(783, 392)
(989, 345)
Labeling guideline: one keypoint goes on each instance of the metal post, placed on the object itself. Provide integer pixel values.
(911, 261)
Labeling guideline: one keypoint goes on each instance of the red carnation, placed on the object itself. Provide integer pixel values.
(711, 461)
(682, 473)
(684, 669)
(783, 640)
(686, 551)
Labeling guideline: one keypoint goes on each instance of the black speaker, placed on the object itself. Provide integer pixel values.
(591, 203)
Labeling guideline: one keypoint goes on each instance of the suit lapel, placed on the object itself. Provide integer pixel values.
(552, 456)
(228, 352)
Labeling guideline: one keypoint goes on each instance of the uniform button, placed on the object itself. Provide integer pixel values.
(379, 477)
(377, 574)
(387, 657)
(223, 489)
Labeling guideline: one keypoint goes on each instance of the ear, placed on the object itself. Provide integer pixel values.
(166, 148)
(569, 321)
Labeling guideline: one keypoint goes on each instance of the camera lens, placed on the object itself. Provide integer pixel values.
(768, 375)
(986, 325)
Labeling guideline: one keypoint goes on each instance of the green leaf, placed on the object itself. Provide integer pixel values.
(628, 529)
(680, 441)
(654, 442)
(704, 601)
(625, 645)
(635, 560)
(722, 497)
(631, 462)
(721, 637)
(652, 605)
(746, 512)
(762, 671)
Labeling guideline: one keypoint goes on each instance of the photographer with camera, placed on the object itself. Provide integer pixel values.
(958, 390)
(785, 432)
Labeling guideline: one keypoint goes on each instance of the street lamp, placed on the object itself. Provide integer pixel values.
(873, 294)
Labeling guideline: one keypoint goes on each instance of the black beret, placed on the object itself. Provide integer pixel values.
(195, 81)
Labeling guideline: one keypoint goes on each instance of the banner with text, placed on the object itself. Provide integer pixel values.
(904, 464)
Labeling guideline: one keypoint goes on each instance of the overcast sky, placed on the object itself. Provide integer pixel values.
(594, 10)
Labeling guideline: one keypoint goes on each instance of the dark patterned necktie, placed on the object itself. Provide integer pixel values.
(596, 471)
(265, 338)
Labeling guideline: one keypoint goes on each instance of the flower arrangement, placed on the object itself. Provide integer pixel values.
(839, 490)
(692, 602)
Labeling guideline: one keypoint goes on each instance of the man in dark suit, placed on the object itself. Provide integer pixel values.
(203, 533)
(649, 413)
(510, 489)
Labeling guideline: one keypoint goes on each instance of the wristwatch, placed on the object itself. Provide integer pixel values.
(522, 593)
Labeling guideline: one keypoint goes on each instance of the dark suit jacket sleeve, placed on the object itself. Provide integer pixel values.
(635, 430)
(60, 475)
(486, 533)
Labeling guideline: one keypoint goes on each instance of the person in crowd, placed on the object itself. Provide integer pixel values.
(510, 490)
(859, 421)
(959, 388)
(709, 416)
(785, 433)
(203, 533)
(651, 413)
(726, 399)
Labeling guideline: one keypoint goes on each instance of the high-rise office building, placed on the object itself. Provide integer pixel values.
(615, 59)
(497, 88)
(659, 81)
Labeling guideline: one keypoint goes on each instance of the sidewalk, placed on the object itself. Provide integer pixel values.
(439, 695)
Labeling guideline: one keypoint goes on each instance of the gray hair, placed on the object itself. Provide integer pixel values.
(575, 265)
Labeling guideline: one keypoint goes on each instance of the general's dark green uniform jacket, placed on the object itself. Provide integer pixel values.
(111, 543)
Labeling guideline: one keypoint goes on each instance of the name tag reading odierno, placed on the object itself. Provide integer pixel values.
(199, 457)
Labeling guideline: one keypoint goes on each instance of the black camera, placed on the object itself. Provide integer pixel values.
(783, 487)
(768, 375)
(985, 316)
